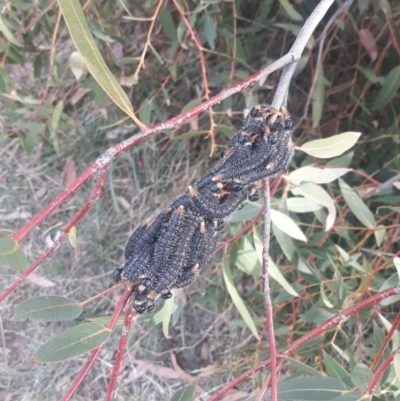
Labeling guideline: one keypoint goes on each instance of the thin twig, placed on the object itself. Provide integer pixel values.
(149, 32)
(267, 292)
(264, 388)
(93, 356)
(378, 374)
(94, 195)
(203, 67)
(297, 49)
(280, 99)
(389, 336)
(121, 348)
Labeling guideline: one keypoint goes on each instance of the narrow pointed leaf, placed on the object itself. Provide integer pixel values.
(332, 146)
(357, 205)
(305, 368)
(74, 341)
(248, 212)
(396, 262)
(361, 376)
(86, 45)
(287, 225)
(73, 240)
(48, 309)
(165, 18)
(396, 365)
(318, 98)
(209, 28)
(299, 204)
(316, 175)
(237, 300)
(380, 235)
(7, 33)
(285, 242)
(168, 310)
(388, 90)
(324, 297)
(320, 196)
(394, 208)
(293, 14)
(310, 389)
(105, 319)
(335, 369)
(246, 257)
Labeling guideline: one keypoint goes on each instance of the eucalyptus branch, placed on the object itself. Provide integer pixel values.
(95, 353)
(279, 100)
(297, 48)
(267, 292)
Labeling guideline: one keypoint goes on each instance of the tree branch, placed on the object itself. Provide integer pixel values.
(297, 48)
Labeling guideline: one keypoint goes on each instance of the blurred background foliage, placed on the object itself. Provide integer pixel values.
(55, 119)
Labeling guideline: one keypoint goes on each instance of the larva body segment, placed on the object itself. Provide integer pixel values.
(172, 250)
(176, 263)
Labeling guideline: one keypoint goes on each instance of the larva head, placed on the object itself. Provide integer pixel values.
(278, 132)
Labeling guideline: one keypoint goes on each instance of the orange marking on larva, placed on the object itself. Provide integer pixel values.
(192, 191)
(180, 209)
(270, 166)
(202, 227)
(141, 288)
(153, 295)
(195, 268)
(228, 152)
(218, 177)
(145, 223)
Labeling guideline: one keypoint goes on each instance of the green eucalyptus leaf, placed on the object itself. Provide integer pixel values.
(332, 146)
(74, 341)
(236, 299)
(48, 309)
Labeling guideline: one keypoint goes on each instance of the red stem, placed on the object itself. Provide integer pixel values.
(386, 342)
(264, 388)
(106, 158)
(95, 193)
(93, 356)
(121, 348)
(313, 334)
(378, 374)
